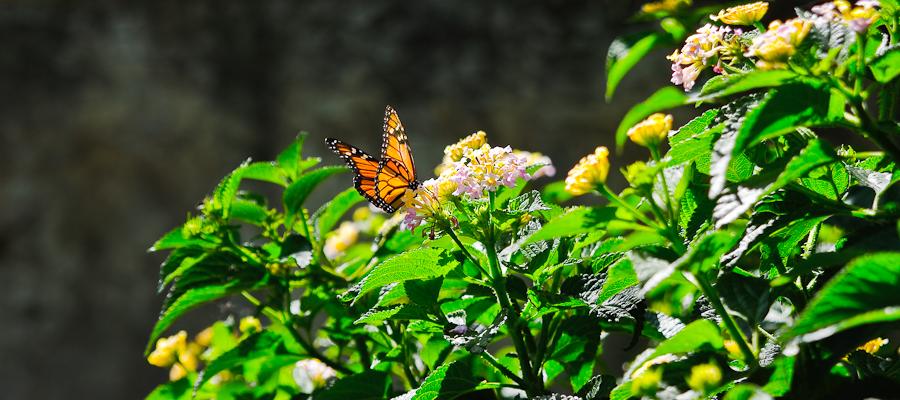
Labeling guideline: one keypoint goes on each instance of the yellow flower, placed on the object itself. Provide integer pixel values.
(341, 240)
(745, 14)
(168, 349)
(177, 372)
(647, 382)
(361, 214)
(250, 324)
(873, 345)
(704, 377)
(455, 152)
(779, 43)
(204, 338)
(733, 349)
(590, 171)
(651, 131)
(664, 5)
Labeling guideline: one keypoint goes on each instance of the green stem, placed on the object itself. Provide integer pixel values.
(363, 349)
(500, 367)
(710, 292)
(654, 152)
(465, 251)
(534, 386)
(758, 25)
(606, 192)
(860, 64)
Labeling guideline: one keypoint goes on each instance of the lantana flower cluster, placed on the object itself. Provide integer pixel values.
(709, 47)
(774, 47)
(471, 168)
(857, 16)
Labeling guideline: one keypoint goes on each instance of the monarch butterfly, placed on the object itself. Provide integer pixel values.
(383, 182)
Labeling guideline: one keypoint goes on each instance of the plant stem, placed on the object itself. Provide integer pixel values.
(710, 292)
(534, 385)
(465, 251)
(363, 349)
(606, 192)
(500, 367)
(654, 152)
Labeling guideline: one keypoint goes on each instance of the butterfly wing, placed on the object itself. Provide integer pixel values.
(365, 167)
(395, 144)
(391, 183)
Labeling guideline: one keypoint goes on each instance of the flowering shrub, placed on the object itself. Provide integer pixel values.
(753, 254)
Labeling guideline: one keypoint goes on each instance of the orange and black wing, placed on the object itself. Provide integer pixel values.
(395, 144)
(391, 183)
(365, 167)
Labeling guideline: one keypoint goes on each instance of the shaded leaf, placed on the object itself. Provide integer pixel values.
(864, 292)
(297, 193)
(367, 385)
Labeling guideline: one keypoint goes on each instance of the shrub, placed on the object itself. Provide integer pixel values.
(752, 259)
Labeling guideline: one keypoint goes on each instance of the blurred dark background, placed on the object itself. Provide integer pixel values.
(117, 117)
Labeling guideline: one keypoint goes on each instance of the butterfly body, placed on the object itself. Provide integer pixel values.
(385, 181)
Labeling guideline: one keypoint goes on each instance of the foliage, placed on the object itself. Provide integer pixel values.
(752, 259)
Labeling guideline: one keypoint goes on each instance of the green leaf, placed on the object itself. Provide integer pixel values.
(227, 189)
(704, 255)
(331, 212)
(576, 221)
(264, 171)
(698, 335)
(368, 385)
(780, 382)
(749, 296)
(747, 391)
(864, 292)
(189, 300)
(249, 211)
(421, 263)
(886, 67)
(727, 85)
(290, 160)
(734, 202)
(528, 202)
(664, 99)
(694, 127)
(624, 53)
(449, 381)
(176, 239)
(257, 345)
(800, 104)
(297, 193)
(619, 277)
(177, 390)
(406, 312)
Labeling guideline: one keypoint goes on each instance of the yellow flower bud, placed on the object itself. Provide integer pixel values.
(779, 43)
(664, 5)
(250, 324)
(745, 14)
(204, 338)
(734, 350)
(651, 131)
(177, 372)
(454, 152)
(873, 345)
(646, 383)
(704, 377)
(167, 349)
(590, 171)
(361, 214)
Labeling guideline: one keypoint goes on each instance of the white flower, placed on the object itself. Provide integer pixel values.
(312, 374)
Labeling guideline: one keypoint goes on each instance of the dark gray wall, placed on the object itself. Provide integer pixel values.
(117, 117)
